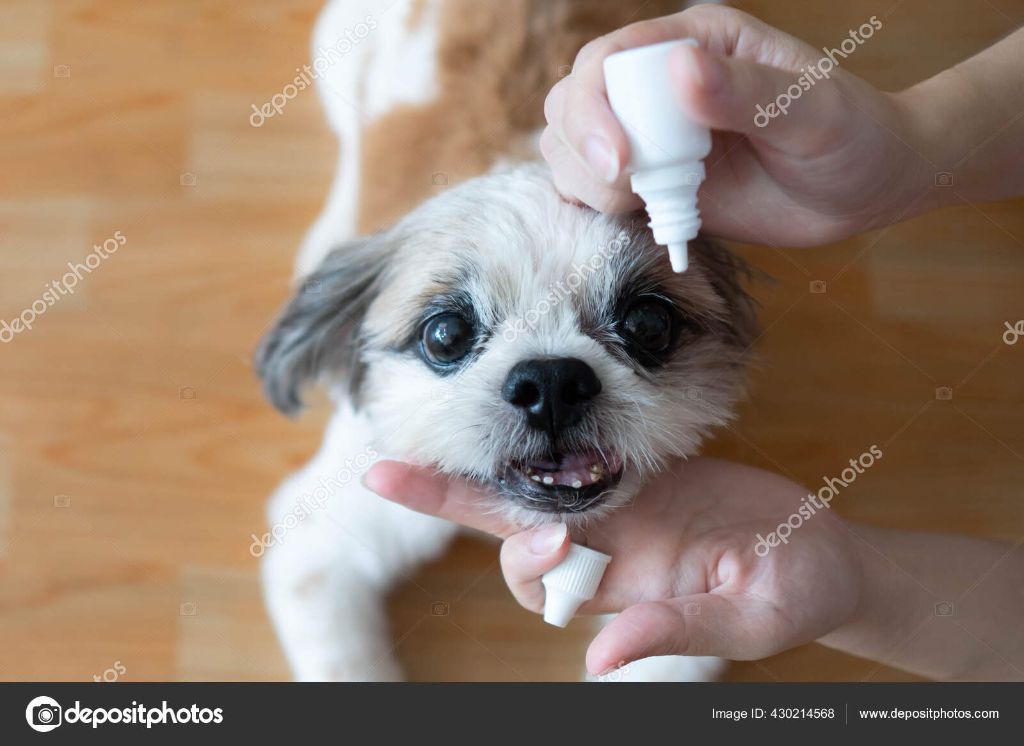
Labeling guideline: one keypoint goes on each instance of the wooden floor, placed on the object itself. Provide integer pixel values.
(136, 452)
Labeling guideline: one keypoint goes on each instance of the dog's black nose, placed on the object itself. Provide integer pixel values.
(552, 392)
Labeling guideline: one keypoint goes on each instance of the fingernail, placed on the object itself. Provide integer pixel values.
(367, 479)
(704, 69)
(601, 157)
(547, 539)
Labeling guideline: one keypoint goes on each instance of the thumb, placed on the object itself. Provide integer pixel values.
(703, 624)
(424, 490)
(766, 103)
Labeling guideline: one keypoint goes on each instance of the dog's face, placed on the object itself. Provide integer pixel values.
(541, 348)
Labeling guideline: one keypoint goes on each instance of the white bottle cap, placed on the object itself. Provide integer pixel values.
(667, 148)
(571, 583)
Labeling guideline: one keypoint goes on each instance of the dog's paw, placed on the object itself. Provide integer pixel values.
(351, 669)
(666, 668)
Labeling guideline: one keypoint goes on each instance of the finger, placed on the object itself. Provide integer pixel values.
(703, 624)
(526, 556)
(579, 110)
(554, 103)
(424, 490)
(592, 131)
(581, 115)
(575, 183)
(738, 95)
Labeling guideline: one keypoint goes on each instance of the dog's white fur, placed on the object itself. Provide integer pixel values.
(393, 66)
(325, 579)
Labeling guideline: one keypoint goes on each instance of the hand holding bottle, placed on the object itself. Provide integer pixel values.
(689, 578)
(843, 158)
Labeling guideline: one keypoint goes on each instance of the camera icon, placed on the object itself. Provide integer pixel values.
(564, 71)
(944, 608)
(43, 714)
(312, 286)
(693, 393)
(693, 179)
(819, 287)
(62, 71)
(439, 608)
(944, 393)
(691, 608)
(62, 501)
(188, 180)
(439, 179)
(944, 179)
(46, 715)
(187, 392)
(189, 608)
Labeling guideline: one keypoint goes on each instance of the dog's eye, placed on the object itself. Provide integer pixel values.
(648, 324)
(447, 338)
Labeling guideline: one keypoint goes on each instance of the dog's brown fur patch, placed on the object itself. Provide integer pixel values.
(497, 59)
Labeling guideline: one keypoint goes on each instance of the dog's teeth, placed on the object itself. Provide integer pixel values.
(594, 477)
(528, 470)
(535, 478)
(549, 480)
(577, 484)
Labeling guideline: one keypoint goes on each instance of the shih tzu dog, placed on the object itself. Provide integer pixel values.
(494, 331)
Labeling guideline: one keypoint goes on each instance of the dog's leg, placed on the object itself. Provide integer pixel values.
(335, 551)
(669, 668)
(662, 667)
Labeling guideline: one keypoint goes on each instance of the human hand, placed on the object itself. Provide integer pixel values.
(841, 161)
(684, 570)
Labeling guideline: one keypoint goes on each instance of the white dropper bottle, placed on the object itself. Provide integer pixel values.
(571, 582)
(667, 148)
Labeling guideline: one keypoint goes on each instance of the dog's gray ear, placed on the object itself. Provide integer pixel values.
(317, 333)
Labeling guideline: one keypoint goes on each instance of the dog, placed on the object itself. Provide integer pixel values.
(482, 325)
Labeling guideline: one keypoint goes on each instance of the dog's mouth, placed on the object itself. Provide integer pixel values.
(563, 482)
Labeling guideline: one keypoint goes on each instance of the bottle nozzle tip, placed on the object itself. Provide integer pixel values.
(560, 607)
(678, 256)
(573, 581)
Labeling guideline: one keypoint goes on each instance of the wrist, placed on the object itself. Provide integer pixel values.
(887, 602)
(939, 117)
(925, 182)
